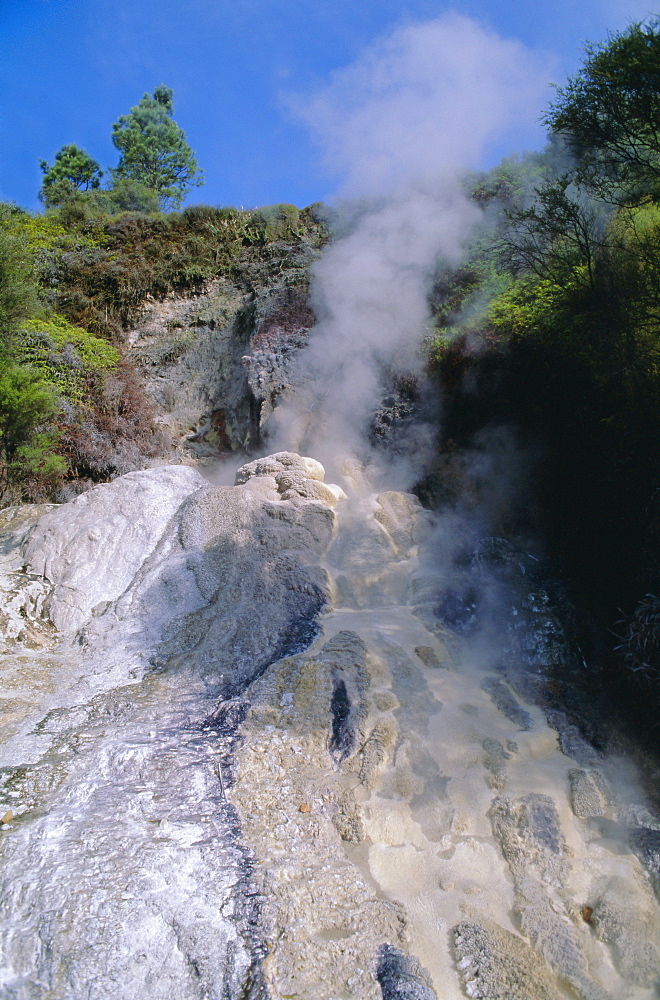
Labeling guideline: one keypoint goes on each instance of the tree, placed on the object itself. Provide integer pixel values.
(557, 238)
(73, 170)
(154, 150)
(610, 114)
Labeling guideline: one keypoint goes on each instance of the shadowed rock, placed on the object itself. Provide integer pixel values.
(646, 844)
(401, 977)
(163, 570)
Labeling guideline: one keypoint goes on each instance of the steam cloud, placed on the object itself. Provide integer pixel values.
(400, 127)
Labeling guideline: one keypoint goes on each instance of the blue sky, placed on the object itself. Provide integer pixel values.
(70, 67)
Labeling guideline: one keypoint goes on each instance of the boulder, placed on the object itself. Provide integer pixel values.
(160, 569)
(91, 548)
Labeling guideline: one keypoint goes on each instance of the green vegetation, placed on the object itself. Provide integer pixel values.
(153, 149)
(125, 195)
(27, 405)
(103, 287)
(155, 170)
(64, 355)
(278, 221)
(609, 114)
(553, 326)
(72, 281)
(74, 170)
(46, 364)
(27, 402)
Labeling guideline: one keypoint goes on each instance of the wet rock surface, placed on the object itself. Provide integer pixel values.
(586, 795)
(506, 703)
(402, 978)
(118, 764)
(499, 965)
(255, 760)
(91, 549)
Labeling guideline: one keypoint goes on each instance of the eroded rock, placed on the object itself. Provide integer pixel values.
(621, 917)
(401, 977)
(496, 965)
(159, 563)
(586, 797)
(506, 703)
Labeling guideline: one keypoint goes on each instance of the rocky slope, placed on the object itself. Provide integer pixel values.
(258, 743)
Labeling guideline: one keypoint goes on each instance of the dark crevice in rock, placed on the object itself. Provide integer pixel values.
(646, 844)
(401, 977)
(341, 741)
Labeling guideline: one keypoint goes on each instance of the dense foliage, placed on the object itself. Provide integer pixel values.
(553, 326)
(609, 113)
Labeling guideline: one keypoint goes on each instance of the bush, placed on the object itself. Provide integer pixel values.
(27, 403)
(37, 469)
(125, 195)
(276, 222)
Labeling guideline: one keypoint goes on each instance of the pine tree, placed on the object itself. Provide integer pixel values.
(73, 170)
(154, 150)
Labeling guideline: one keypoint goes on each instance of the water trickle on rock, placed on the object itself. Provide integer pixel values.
(277, 750)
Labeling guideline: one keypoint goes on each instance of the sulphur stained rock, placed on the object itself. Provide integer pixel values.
(496, 756)
(370, 557)
(404, 518)
(533, 844)
(506, 703)
(621, 917)
(323, 732)
(350, 824)
(302, 743)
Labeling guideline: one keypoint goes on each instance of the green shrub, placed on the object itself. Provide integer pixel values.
(125, 195)
(276, 222)
(36, 467)
(65, 355)
(27, 402)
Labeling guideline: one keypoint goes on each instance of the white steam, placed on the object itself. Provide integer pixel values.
(400, 127)
(424, 104)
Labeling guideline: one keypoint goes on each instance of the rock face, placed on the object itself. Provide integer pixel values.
(245, 756)
(214, 365)
(168, 593)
